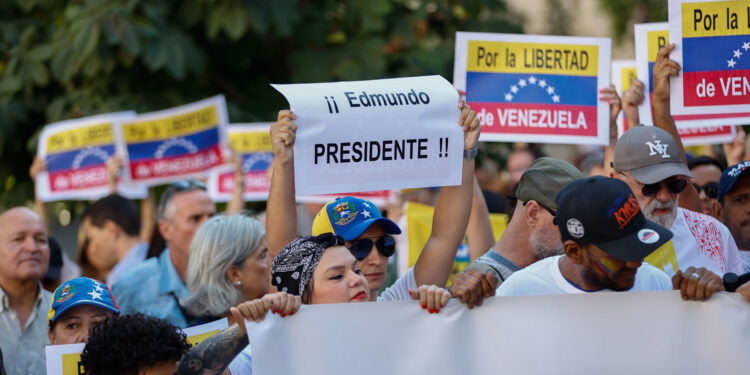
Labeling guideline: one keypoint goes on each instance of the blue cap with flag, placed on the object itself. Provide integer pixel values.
(349, 217)
(81, 291)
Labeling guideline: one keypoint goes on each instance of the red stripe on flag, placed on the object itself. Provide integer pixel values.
(716, 88)
(176, 165)
(551, 119)
(81, 178)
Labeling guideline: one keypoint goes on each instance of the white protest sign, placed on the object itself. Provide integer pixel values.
(374, 135)
(66, 359)
(593, 333)
(650, 38)
(76, 153)
(532, 88)
(712, 41)
(707, 135)
(623, 72)
(181, 142)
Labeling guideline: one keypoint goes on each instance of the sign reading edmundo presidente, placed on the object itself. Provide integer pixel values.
(713, 47)
(181, 142)
(528, 88)
(374, 135)
(76, 152)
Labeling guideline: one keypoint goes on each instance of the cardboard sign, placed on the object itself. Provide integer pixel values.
(623, 73)
(76, 152)
(556, 334)
(650, 38)
(417, 229)
(374, 135)
(530, 88)
(713, 48)
(181, 142)
(66, 359)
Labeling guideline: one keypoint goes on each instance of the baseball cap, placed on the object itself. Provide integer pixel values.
(81, 291)
(650, 154)
(349, 217)
(604, 212)
(730, 176)
(544, 179)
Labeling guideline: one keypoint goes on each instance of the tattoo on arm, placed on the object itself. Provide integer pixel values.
(214, 354)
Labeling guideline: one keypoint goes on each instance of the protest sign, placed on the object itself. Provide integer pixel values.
(530, 88)
(181, 142)
(416, 227)
(707, 135)
(373, 135)
(650, 38)
(76, 152)
(712, 40)
(591, 333)
(66, 359)
(623, 73)
(378, 198)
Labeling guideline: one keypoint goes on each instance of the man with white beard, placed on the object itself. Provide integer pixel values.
(650, 161)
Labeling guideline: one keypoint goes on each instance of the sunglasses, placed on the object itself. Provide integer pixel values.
(182, 185)
(674, 185)
(711, 189)
(361, 248)
(551, 211)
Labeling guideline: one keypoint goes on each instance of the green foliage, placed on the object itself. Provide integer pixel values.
(64, 59)
(623, 12)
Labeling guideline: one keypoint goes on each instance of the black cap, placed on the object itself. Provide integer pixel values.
(604, 212)
(730, 176)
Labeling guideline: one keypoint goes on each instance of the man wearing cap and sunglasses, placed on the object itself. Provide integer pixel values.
(606, 237)
(649, 161)
(360, 223)
(706, 174)
(734, 207)
(155, 286)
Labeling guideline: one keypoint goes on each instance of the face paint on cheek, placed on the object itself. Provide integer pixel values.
(605, 265)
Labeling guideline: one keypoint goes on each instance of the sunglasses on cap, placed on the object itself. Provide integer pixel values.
(361, 248)
(675, 185)
(711, 189)
(182, 185)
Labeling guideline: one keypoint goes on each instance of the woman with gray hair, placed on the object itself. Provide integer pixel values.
(228, 265)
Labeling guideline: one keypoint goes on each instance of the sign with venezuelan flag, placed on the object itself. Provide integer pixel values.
(713, 48)
(252, 144)
(76, 153)
(529, 88)
(66, 359)
(650, 38)
(181, 142)
(623, 73)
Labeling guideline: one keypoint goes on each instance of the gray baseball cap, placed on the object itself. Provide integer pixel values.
(544, 179)
(650, 154)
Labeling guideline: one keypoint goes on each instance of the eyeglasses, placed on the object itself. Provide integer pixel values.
(361, 248)
(675, 186)
(551, 212)
(711, 189)
(181, 185)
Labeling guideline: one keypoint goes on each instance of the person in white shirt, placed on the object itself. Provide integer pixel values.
(734, 207)
(649, 160)
(112, 225)
(606, 236)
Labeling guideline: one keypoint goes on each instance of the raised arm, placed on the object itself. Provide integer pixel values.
(610, 96)
(479, 231)
(281, 213)
(451, 214)
(38, 166)
(148, 215)
(237, 203)
(213, 355)
(664, 68)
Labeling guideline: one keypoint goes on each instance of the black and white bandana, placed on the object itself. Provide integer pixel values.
(293, 267)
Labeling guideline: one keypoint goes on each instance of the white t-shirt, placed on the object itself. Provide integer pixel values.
(745, 256)
(699, 241)
(544, 278)
(399, 291)
(243, 363)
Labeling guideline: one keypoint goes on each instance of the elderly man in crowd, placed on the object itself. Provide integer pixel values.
(734, 207)
(23, 302)
(155, 286)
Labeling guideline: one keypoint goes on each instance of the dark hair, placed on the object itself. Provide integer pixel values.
(706, 160)
(128, 343)
(88, 269)
(116, 208)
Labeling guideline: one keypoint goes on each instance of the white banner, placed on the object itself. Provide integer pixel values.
(623, 72)
(374, 135)
(535, 88)
(597, 333)
(76, 153)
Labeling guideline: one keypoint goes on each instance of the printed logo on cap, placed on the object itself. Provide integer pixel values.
(735, 171)
(344, 213)
(656, 147)
(66, 292)
(575, 228)
(648, 236)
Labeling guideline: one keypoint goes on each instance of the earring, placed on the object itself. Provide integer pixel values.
(238, 283)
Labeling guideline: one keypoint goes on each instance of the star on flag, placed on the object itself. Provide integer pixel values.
(532, 80)
(737, 53)
(556, 98)
(508, 97)
(746, 46)
(522, 82)
(550, 90)
(542, 83)
(514, 89)
(730, 63)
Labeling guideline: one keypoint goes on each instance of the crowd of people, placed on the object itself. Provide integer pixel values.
(640, 215)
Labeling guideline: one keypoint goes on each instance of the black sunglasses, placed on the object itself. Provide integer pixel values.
(711, 189)
(181, 185)
(674, 185)
(361, 248)
(551, 212)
